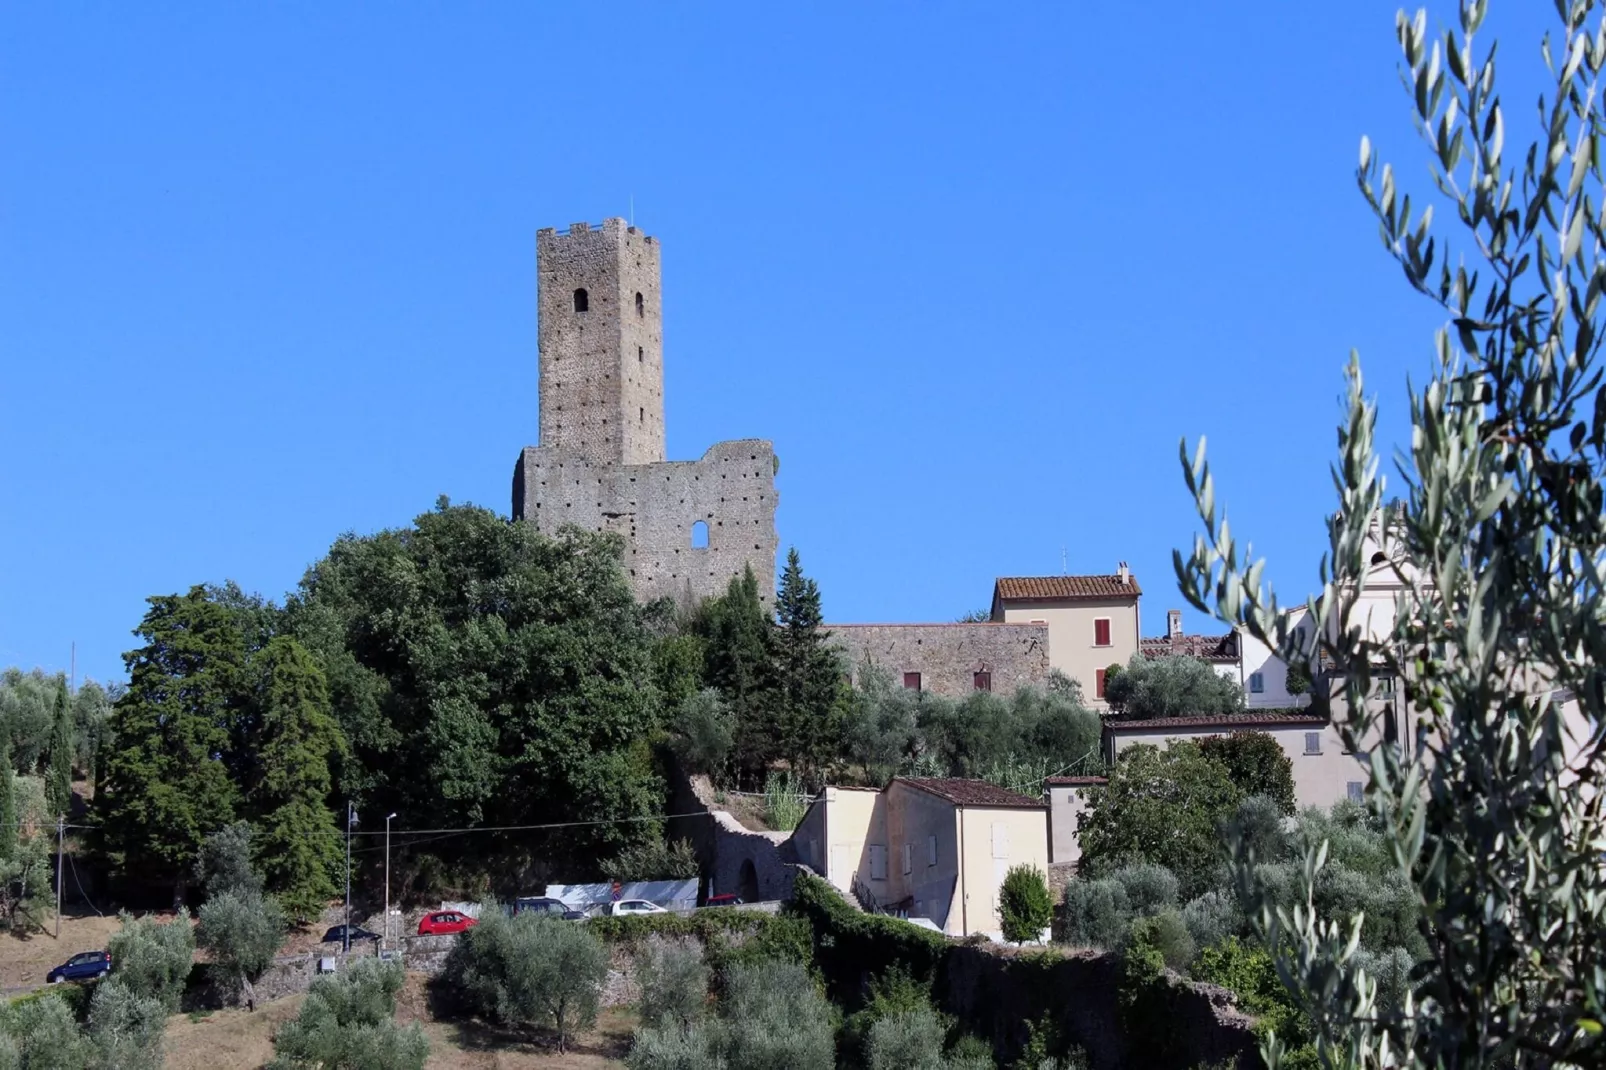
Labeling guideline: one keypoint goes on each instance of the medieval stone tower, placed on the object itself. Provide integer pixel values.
(689, 526)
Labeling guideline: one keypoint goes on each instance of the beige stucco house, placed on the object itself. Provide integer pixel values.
(1092, 621)
(935, 848)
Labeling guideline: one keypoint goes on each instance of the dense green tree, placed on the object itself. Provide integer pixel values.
(44, 1035)
(738, 641)
(530, 970)
(152, 958)
(63, 749)
(10, 819)
(92, 710)
(881, 726)
(776, 1018)
(706, 731)
(242, 932)
(1160, 806)
(485, 673)
(167, 781)
(1256, 763)
(28, 713)
(1171, 686)
(298, 845)
(125, 1028)
(674, 981)
(808, 686)
(223, 864)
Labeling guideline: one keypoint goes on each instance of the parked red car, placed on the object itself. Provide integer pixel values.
(444, 923)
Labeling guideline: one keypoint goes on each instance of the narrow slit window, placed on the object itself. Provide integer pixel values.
(582, 300)
(641, 306)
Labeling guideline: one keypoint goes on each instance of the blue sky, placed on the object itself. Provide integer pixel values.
(267, 275)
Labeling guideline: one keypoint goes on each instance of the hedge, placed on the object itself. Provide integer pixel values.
(851, 947)
(704, 924)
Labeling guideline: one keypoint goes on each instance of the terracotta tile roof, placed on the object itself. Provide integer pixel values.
(1010, 588)
(971, 792)
(1235, 720)
(1215, 648)
(1074, 781)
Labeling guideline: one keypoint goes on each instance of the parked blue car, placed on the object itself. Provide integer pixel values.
(85, 966)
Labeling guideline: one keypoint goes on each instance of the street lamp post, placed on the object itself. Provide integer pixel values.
(388, 818)
(351, 819)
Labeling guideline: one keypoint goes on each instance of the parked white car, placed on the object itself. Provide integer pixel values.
(627, 907)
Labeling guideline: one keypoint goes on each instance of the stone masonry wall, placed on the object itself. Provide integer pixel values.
(948, 656)
(654, 506)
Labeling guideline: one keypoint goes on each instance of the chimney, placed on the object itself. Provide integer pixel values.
(1173, 623)
(1123, 574)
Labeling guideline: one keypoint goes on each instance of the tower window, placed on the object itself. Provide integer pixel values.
(641, 305)
(582, 300)
(699, 535)
(641, 355)
(641, 415)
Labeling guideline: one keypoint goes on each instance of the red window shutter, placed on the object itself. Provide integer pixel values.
(1098, 684)
(984, 681)
(911, 680)
(1101, 632)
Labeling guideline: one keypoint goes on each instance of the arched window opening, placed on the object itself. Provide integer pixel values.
(1379, 558)
(699, 535)
(641, 306)
(582, 300)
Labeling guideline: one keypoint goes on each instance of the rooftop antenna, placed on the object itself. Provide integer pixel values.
(1063, 569)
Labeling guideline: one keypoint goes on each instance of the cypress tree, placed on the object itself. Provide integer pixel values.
(298, 843)
(58, 775)
(807, 673)
(737, 645)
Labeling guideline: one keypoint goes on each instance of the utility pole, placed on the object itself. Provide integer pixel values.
(351, 819)
(61, 832)
(388, 818)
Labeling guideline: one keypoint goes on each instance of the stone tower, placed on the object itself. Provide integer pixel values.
(689, 527)
(602, 343)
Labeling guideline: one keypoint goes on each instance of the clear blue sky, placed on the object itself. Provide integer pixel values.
(267, 275)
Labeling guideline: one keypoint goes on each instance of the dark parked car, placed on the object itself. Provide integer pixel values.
(337, 935)
(81, 967)
(542, 904)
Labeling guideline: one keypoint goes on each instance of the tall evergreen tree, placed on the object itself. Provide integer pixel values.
(166, 785)
(9, 832)
(738, 638)
(58, 774)
(808, 693)
(297, 843)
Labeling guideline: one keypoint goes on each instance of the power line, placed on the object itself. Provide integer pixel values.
(549, 825)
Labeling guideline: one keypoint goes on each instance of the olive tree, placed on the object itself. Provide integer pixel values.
(1491, 800)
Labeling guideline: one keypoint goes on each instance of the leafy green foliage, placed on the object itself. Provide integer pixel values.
(1149, 888)
(1165, 932)
(223, 864)
(1249, 973)
(1487, 797)
(1096, 914)
(677, 1047)
(348, 1023)
(153, 959)
(706, 732)
(1024, 906)
(1256, 763)
(530, 970)
(125, 1028)
(851, 947)
(881, 730)
(484, 673)
(655, 860)
(776, 1019)
(43, 1034)
(673, 980)
(242, 931)
(1160, 806)
(737, 641)
(167, 780)
(906, 1040)
(299, 844)
(1171, 686)
(1212, 918)
(784, 802)
(709, 926)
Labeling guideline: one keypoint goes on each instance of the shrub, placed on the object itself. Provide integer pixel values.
(1247, 971)
(707, 731)
(970, 1053)
(1150, 888)
(530, 970)
(348, 1023)
(45, 1034)
(786, 938)
(1258, 823)
(154, 960)
(1166, 933)
(655, 860)
(223, 864)
(242, 931)
(907, 1040)
(126, 1029)
(674, 1046)
(1024, 908)
(1211, 918)
(674, 981)
(784, 802)
(1096, 914)
(706, 925)
(776, 1019)
(851, 946)
(892, 993)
